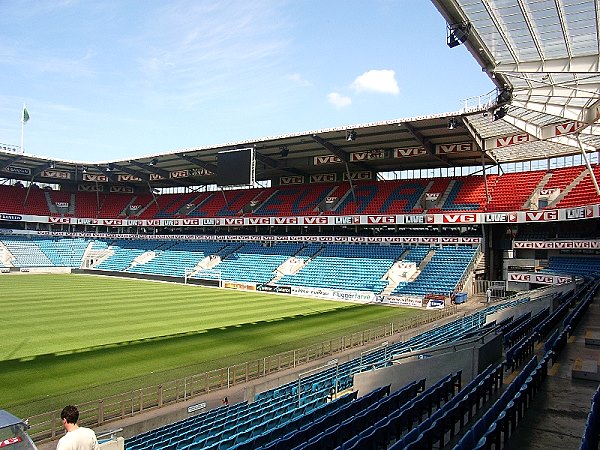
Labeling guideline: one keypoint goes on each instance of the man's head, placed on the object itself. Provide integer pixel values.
(70, 413)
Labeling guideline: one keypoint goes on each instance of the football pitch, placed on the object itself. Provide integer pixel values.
(75, 338)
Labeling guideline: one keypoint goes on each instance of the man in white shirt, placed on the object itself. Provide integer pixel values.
(76, 438)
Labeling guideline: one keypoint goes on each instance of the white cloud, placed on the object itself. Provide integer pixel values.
(191, 51)
(298, 79)
(338, 100)
(381, 81)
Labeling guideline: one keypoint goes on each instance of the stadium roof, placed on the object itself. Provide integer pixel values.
(543, 56)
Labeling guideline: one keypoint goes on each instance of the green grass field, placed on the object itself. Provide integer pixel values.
(74, 338)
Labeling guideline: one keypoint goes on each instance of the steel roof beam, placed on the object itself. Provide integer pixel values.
(11, 160)
(425, 143)
(565, 111)
(273, 164)
(135, 173)
(585, 65)
(157, 170)
(203, 165)
(332, 148)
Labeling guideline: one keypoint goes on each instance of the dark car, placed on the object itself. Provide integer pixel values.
(13, 433)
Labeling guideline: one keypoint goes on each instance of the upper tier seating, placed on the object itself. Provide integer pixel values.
(383, 197)
(468, 194)
(114, 205)
(512, 190)
(462, 194)
(229, 203)
(506, 192)
(584, 193)
(299, 200)
(21, 200)
(61, 201)
(561, 178)
(101, 205)
(172, 204)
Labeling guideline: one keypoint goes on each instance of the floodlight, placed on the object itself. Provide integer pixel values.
(457, 33)
(453, 123)
(504, 96)
(500, 113)
(350, 135)
(284, 151)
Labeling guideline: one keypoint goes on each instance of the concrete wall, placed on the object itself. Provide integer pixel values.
(534, 306)
(113, 444)
(143, 276)
(470, 356)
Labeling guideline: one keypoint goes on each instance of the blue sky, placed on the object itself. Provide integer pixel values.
(108, 80)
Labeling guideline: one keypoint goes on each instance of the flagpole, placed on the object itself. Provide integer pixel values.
(23, 127)
(22, 131)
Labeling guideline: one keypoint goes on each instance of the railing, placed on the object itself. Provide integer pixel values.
(47, 426)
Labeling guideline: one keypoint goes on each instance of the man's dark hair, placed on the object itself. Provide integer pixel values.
(71, 413)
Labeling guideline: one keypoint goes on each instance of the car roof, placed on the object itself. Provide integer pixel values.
(7, 419)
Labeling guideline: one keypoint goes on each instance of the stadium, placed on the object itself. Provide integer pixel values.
(419, 283)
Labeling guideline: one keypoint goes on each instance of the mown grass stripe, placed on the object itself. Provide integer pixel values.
(81, 338)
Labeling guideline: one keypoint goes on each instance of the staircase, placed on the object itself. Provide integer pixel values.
(538, 188)
(445, 195)
(569, 188)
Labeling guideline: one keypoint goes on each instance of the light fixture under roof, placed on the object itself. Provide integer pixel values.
(500, 112)
(453, 123)
(457, 33)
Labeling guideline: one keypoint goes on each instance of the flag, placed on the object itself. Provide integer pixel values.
(25, 115)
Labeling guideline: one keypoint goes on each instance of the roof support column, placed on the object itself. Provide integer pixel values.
(587, 163)
(485, 183)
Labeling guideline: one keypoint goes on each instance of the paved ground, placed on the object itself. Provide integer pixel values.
(557, 416)
(158, 417)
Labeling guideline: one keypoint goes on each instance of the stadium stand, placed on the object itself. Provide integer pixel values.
(350, 267)
(26, 252)
(254, 262)
(346, 267)
(506, 192)
(583, 193)
(174, 260)
(20, 200)
(125, 252)
(386, 197)
(442, 273)
(295, 200)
